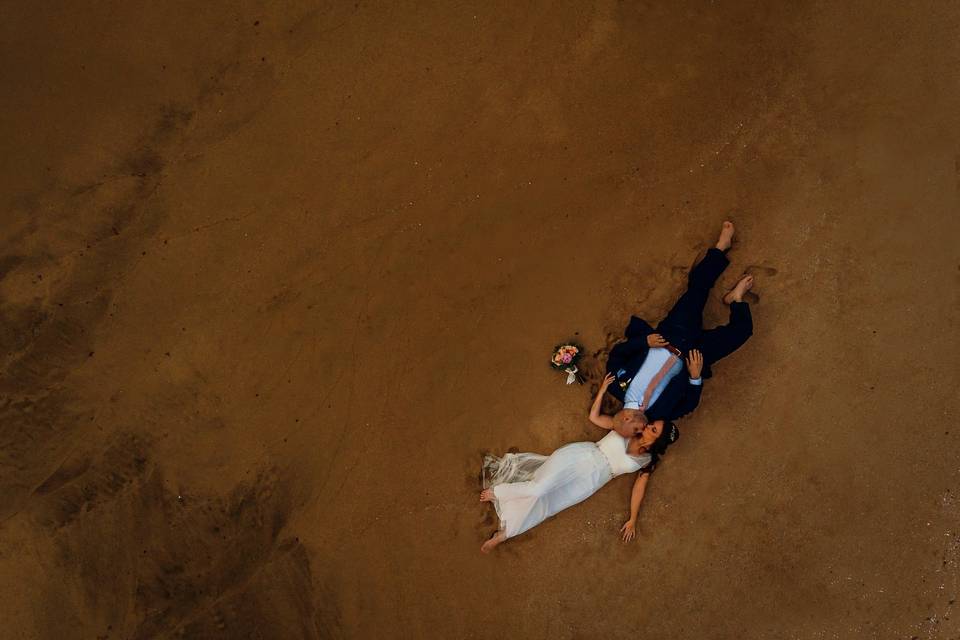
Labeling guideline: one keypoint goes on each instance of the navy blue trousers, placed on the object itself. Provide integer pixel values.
(683, 326)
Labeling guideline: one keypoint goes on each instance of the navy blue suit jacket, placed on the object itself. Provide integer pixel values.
(678, 398)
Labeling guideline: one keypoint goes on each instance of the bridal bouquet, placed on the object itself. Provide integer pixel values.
(565, 358)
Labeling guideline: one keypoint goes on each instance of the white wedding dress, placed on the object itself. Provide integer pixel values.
(528, 488)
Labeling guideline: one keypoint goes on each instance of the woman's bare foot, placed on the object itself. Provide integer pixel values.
(492, 543)
(486, 495)
(726, 236)
(736, 294)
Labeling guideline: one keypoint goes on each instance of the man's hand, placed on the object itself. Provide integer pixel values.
(628, 531)
(656, 340)
(695, 363)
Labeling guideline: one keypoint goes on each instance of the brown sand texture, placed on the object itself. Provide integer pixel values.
(275, 275)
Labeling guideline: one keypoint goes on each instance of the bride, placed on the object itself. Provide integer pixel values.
(528, 488)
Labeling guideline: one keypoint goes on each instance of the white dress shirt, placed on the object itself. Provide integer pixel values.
(656, 358)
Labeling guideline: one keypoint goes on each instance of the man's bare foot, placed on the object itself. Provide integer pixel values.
(726, 236)
(492, 543)
(736, 294)
(486, 495)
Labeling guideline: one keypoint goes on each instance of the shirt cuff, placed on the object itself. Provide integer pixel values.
(631, 405)
(696, 381)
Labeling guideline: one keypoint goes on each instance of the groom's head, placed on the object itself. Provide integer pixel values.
(632, 421)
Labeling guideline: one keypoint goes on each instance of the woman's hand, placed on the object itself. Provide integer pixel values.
(597, 418)
(656, 340)
(695, 363)
(628, 530)
(607, 381)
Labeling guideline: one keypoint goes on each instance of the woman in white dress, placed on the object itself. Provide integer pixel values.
(528, 488)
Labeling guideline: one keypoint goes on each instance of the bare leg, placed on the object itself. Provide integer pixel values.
(492, 543)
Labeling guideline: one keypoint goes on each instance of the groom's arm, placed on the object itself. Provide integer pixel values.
(636, 344)
(624, 352)
(690, 398)
(694, 387)
(638, 328)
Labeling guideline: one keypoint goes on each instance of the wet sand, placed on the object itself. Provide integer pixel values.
(274, 277)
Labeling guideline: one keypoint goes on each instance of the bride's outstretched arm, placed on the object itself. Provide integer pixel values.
(597, 418)
(636, 497)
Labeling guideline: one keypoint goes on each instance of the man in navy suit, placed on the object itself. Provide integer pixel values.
(658, 373)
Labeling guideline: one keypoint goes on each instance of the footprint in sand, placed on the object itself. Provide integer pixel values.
(757, 271)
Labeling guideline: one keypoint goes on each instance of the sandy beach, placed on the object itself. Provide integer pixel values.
(274, 277)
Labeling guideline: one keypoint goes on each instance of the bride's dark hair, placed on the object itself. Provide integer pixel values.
(667, 437)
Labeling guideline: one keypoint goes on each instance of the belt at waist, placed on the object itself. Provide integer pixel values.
(605, 459)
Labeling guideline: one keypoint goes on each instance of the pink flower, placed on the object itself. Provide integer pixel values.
(566, 358)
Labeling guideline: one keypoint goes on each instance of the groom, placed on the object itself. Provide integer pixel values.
(659, 372)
